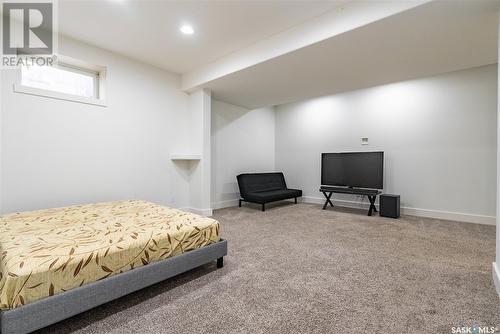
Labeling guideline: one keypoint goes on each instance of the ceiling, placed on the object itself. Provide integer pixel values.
(149, 30)
(235, 42)
(433, 38)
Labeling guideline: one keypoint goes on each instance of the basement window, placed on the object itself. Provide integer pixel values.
(69, 80)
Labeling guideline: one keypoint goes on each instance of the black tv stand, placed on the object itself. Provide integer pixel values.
(370, 193)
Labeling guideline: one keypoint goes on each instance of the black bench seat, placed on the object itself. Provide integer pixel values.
(263, 188)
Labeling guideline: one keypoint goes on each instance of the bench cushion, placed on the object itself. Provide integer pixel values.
(272, 195)
(257, 182)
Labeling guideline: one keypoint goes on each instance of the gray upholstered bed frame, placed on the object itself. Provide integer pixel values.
(50, 310)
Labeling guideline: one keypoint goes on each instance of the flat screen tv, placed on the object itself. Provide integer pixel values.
(353, 169)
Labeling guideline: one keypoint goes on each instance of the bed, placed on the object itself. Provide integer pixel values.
(56, 263)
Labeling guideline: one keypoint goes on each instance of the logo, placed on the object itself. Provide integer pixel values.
(27, 28)
(474, 329)
(28, 33)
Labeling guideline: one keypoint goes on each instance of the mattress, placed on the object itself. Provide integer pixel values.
(46, 252)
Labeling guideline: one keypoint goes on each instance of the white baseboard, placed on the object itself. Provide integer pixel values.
(201, 212)
(225, 204)
(436, 214)
(461, 217)
(496, 277)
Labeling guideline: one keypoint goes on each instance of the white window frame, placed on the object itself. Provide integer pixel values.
(78, 66)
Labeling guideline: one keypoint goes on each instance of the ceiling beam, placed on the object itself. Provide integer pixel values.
(345, 17)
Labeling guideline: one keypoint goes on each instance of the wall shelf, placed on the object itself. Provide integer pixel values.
(182, 156)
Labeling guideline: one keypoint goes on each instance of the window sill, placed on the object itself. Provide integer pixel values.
(57, 95)
(181, 156)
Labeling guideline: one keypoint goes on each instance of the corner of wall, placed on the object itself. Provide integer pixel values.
(496, 277)
(274, 111)
(1, 141)
(199, 184)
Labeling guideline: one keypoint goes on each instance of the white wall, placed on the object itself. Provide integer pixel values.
(57, 153)
(495, 266)
(242, 141)
(1, 139)
(438, 134)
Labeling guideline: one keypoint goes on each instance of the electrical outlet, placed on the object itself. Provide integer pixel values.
(364, 140)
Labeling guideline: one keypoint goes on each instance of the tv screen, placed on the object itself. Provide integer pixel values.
(355, 169)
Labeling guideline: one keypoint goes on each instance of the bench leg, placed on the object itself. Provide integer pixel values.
(239, 204)
(220, 262)
(295, 200)
(263, 207)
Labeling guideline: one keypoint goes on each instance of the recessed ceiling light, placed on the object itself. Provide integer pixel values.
(187, 29)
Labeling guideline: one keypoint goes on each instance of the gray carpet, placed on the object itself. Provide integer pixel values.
(298, 269)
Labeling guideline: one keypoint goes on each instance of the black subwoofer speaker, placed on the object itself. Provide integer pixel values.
(389, 205)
